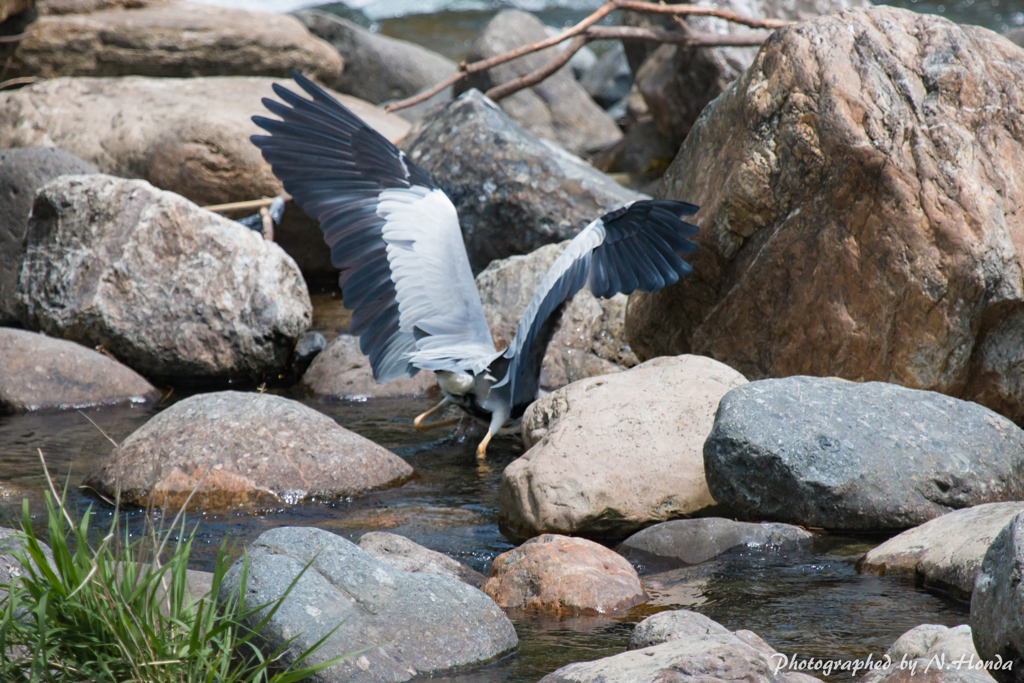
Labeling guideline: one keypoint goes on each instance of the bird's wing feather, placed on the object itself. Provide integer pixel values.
(635, 247)
(393, 235)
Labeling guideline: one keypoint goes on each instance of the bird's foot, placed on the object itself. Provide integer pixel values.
(481, 450)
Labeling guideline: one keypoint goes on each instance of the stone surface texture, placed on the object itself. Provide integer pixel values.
(934, 654)
(514, 192)
(22, 172)
(342, 372)
(252, 448)
(408, 556)
(560, 575)
(947, 551)
(557, 108)
(177, 40)
(171, 290)
(675, 624)
(859, 218)
(186, 135)
(824, 452)
(9, 8)
(411, 624)
(686, 542)
(43, 373)
(997, 603)
(609, 455)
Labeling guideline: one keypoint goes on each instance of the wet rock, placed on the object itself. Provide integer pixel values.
(171, 290)
(842, 455)
(687, 648)
(932, 653)
(379, 68)
(610, 455)
(514, 192)
(947, 551)
(829, 247)
(342, 372)
(410, 623)
(589, 340)
(189, 136)
(686, 542)
(997, 603)
(43, 373)
(22, 172)
(561, 575)
(407, 556)
(253, 449)
(610, 79)
(556, 109)
(178, 40)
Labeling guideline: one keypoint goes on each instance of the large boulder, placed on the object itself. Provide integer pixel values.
(379, 68)
(934, 654)
(179, 40)
(171, 290)
(563, 576)
(189, 136)
(686, 542)
(22, 172)
(342, 372)
(513, 191)
(609, 455)
(946, 552)
(409, 556)
(857, 211)
(557, 108)
(238, 448)
(997, 603)
(841, 455)
(410, 624)
(43, 373)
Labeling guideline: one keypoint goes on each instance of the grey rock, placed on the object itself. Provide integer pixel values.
(407, 556)
(610, 79)
(947, 551)
(514, 192)
(842, 455)
(643, 151)
(342, 372)
(171, 290)
(933, 653)
(11, 569)
(43, 373)
(997, 604)
(379, 68)
(673, 625)
(310, 345)
(1016, 35)
(415, 624)
(22, 172)
(556, 109)
(234, 449)
(686, 542)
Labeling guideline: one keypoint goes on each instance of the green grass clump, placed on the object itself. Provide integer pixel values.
(115, 613)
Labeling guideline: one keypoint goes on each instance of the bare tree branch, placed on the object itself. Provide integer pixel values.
(700, 11)
(526, 80)
(676, 37)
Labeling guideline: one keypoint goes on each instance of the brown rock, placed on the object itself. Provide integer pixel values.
(556, 109)
(9, 8)
(342, 372)
(405, 555)
(43, 373)
(562, 575)
(857, 220)
(57, 7)
(609, 455)
(947, 551)
(179, 40)
(189, 136)
(252, 449)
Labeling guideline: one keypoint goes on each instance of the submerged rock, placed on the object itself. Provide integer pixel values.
(43, 373)
(411, 624)
(22, 172)
(342, 372)
(560, 575)
(997, 604)
(178, 40)
(609, 455)
(407, 556)
(686, 542)
(841, 455)
(238, 448)
(513, 191)
(832, 247)
(557, 108)
(171, 290)
(946, 552)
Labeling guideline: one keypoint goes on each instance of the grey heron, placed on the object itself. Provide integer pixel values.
(404, 273)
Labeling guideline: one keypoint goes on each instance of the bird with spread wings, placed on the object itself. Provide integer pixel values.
(404, 273)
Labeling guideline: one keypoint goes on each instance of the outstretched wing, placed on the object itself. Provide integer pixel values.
(393, 235)
(635, 247)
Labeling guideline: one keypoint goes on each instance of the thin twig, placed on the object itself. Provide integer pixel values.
(526, 80)
(700, 11)
(246, 205)
(12, 82)
(268, 224)
(116, 444)
(56, 496)
(18, 37)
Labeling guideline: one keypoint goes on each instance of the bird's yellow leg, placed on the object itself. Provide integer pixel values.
(418, 423)
(437, 425)
(481, 450)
